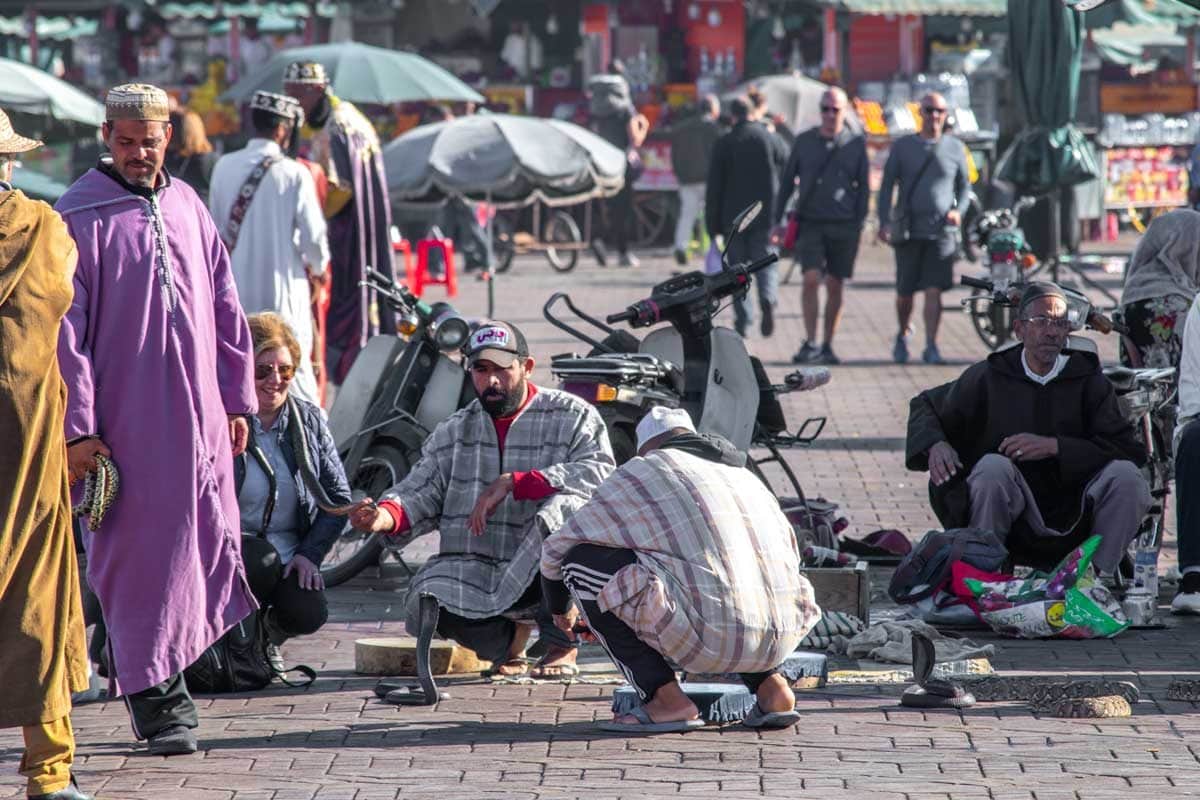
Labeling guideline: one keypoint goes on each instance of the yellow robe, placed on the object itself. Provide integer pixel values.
(42, 653)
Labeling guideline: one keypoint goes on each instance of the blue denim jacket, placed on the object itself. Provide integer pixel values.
(319, 530)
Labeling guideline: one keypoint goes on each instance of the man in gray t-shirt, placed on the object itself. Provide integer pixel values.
(929, 170)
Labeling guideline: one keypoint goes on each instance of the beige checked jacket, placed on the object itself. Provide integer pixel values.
(717, 586)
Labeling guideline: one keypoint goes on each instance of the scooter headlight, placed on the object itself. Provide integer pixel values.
(451, 333)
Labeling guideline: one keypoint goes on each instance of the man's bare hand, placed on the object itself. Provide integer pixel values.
(239, 433)
(944, 463)
(488, 502)
(953, 217)
(1029, 447)
(884, 235)
(368, 517)
(81, 457)
(308, 574)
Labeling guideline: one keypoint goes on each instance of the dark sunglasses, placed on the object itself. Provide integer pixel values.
(931, 111)
(830, 109)
(263, 371)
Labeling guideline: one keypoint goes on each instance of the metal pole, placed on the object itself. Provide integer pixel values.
(491, 258)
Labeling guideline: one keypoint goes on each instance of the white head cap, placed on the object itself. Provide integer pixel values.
(660, 420)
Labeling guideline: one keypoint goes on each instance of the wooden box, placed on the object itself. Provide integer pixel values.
(398, 656)
(846, 589)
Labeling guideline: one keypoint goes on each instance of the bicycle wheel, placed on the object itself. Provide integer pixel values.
(561, 229)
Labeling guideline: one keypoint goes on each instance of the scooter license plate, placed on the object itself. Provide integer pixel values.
(1004, 271)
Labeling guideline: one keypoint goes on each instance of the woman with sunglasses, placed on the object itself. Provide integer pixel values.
(285, 536)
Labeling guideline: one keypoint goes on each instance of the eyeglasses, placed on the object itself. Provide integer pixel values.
(1059, 324)
(930, 110)
(264, 371)
(830, 109)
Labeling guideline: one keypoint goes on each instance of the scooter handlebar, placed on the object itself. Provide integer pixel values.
(976, 283)
(624, 316)
(762, 263)
(378, 277)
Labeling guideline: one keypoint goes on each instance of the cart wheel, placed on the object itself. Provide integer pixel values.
(561, 229)
(504, 245)
(651, 210)
(993, 323)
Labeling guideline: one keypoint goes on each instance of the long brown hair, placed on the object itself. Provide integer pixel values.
(189, 131)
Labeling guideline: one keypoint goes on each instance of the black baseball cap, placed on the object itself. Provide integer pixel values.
(498, 342)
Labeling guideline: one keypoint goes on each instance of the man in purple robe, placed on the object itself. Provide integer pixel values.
(345, 145)
(158, 362)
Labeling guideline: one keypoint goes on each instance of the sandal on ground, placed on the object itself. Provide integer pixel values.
(553, 672)
(519, 667)
(646, 725)
(770, 720)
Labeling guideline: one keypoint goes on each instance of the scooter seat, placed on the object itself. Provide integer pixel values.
(1125, 379)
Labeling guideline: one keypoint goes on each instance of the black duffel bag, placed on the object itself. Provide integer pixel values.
(237, 662)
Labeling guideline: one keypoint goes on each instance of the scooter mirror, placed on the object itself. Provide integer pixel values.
(748, 215)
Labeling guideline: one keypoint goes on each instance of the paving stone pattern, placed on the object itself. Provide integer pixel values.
(334, 741)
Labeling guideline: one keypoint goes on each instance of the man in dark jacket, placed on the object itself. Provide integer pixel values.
(1033, 434)
(744, 168)
(691, 150)
(828, 169)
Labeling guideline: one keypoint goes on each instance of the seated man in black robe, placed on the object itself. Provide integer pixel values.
(1031, 443)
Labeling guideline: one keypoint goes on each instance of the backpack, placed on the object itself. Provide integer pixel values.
(237, 662)
(927, 567)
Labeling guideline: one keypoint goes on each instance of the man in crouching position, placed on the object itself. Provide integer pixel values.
(683, 554)
(493, 479)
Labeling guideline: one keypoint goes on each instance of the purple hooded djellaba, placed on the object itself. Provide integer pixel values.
(155, 352)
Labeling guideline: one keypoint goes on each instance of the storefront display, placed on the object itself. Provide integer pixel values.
(1145, 177)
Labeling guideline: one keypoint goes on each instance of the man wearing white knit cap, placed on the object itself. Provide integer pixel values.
(682, 555)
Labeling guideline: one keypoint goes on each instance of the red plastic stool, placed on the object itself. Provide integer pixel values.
(405, 249)
(419, 278)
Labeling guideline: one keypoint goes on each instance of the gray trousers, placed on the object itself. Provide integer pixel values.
(1118, 495)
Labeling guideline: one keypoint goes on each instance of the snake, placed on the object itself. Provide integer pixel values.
(307, 473)
(1083, 698)
(99, 492)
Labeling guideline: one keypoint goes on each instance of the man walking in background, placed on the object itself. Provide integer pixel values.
(265, 205)
(828, 169)
(744, 169)
(691, 150)
(360, 217)
(929, 169)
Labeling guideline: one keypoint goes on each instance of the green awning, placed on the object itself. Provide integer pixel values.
(925, 8)
(1126, 45)
(54, 28)
(1153, 13)
(247, 9)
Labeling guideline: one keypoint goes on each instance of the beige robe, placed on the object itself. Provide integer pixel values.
(42, 653)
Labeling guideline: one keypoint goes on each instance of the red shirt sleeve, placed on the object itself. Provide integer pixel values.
(531, 485)
(397, 512)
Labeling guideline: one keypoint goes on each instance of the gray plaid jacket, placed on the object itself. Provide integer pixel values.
(482, 576)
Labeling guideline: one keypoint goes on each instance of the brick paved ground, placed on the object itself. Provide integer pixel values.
(333, 741)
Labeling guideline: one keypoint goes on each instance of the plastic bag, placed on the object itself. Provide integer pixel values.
(1068, 603)
(712, 260)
